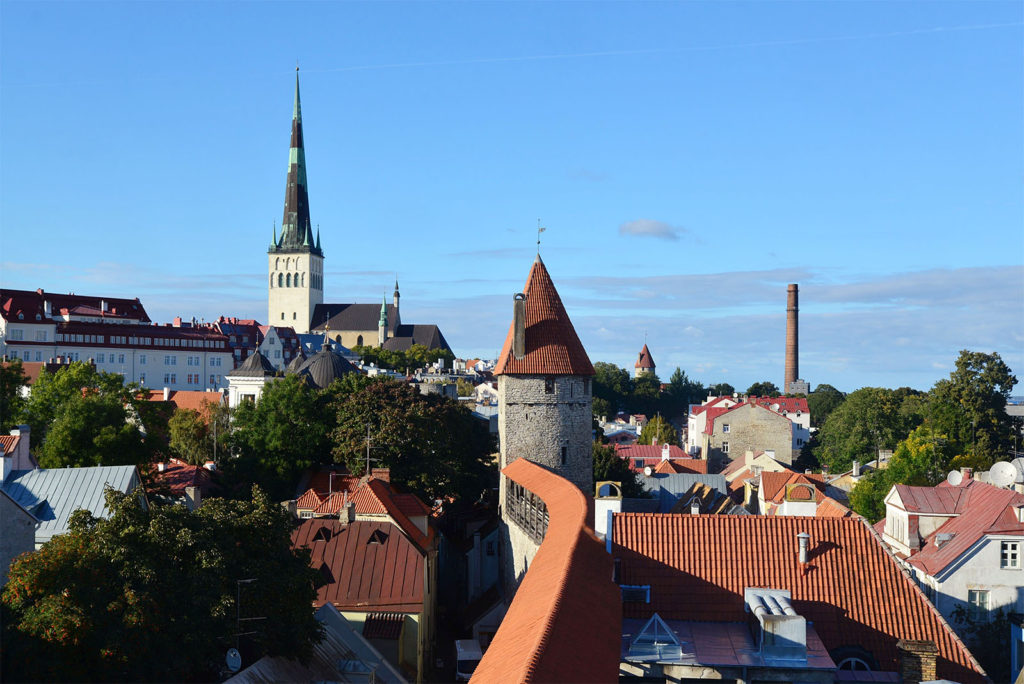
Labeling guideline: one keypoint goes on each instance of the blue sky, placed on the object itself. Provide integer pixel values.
(688, 160)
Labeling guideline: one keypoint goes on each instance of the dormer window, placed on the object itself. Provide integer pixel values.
(377, 537)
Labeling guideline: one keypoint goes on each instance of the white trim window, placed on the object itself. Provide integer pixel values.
(1009, 555)
(977, 604)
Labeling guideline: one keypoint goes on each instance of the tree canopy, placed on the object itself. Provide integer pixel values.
(417, 356)
(823, 401)
(12, 379)
(763, 389)
(150, 595)
(660, 429)
(92, 430)
(608, 467)
(434, 446)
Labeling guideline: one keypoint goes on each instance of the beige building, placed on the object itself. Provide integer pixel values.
(748, 427)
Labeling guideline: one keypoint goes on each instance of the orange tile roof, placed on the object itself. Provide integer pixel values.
(565, 622)
(552, 346)
(644, 360)
(9, 443)
(309, 501)
(851, 588)
(187, 399)
(773, 485)
(830, 508)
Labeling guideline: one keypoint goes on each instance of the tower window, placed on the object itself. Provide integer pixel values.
(294, 316)
(282, 315)
(280, 279)
(565, 455)
(549, 385)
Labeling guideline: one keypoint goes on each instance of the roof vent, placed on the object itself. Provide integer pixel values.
(943, 537)
(782, 633)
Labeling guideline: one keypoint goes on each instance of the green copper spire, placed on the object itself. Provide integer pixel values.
(383, 323)
(296, 231)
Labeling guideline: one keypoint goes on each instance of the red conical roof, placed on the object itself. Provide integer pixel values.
(552, 347)
(645, 360)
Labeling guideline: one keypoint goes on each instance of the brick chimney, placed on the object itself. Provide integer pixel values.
(792, 338)
(381, 474)
(917, 660)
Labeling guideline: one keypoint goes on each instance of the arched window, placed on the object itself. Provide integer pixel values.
(271, 280)
(277, 264)
(853, 663)
(359, 341)
(295, 316)
(280, 279)
(303, 280)
(288, 280)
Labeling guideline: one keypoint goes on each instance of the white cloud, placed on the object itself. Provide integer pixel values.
(651, 228)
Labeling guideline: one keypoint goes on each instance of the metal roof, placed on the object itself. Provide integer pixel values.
(669, 487)
(53, 494)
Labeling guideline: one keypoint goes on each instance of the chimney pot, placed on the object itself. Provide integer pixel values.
(803, 541)
(167, 393)
(856, 468)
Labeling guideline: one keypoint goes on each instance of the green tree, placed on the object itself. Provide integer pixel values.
(920, 460)
(646, 395)
(763, 389)
(12, 379)
(190, 438)
(608, 467)
(612, 387)
(660, 429)
(103, 602)
(51, 390)
(823, 401)
(92, 430)
(433, 445)
(681, 392)
(465, 388)
(988, 638)
(281, 435)
(970, 406)
(870, 419)
(721, 389)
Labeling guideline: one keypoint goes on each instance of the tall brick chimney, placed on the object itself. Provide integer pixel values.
(917, 660)
(792, 338)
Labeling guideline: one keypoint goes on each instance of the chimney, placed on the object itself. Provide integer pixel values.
(47, 308)
(103, 305)
(967, 473)
(665, 450)
(210, 465)
(694, 506)
(917, 660)
(167, 393)
(381, 474)
(161, 467)
(519, 326)
(193, 498)
(803, 541)
(792, 338)
(856, 468)
(347, 514)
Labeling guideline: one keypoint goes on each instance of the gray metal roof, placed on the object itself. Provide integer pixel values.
(53, 494)
(325, 366)
(407, 335)
(343, 656)
(668, 487)
(256, 366)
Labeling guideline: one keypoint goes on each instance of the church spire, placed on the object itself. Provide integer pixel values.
(296, 233)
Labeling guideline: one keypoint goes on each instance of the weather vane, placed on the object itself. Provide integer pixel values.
(539, 231)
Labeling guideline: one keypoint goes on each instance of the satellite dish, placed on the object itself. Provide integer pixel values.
(648, 471)
(954, 478)
(1002, 474)
(233, 660)
(1018, 463)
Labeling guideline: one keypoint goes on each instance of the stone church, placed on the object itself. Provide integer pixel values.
(295, 267)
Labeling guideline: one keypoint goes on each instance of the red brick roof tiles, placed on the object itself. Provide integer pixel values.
(9, 443)
(830, 508)
(644, 360)
(647, 451)
(372, 565)
(983, 509)
(552, 346)
(851, 588)
(187, 399)
(309, 501)
(565, 622)
(773, 485)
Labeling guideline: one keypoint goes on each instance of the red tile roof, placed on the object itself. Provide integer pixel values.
(324, 484)
(647, 451)
(983, 509)
(372, 566)
(644, 360)
(773, 485)
(851, 588)
(309, 501)
(830, 508)
(32, 369)
(565, 622)
(9, 443)
(178, 475)
(941, 500)
(552, 347)
(788, 404)
(187, 399)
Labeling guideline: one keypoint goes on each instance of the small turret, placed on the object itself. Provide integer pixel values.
(382, 324)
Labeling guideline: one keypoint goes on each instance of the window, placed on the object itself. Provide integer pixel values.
(213, 379)
(142, 359)
(565, 455)
(170, 360)
(359, 341)
(725, 447)
(489, 548)
(977, 604)
(271, 341)
(799, 441)
(1009, 555)
(167, 378)
(40, 335)
(639, 594)
(294, 316)
(39, 356)
(277, 353)
(102, 358)
(282, 315)
(638, 463)
(725, 428)
(142, 378)
(549, 385)
(17, 335)
(120, 358)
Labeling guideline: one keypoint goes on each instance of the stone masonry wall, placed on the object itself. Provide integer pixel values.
(751, 428)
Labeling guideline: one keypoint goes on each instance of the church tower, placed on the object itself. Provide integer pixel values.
(544, 410)
(644, 363)
(295, 261)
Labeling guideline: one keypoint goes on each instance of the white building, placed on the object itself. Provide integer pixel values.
(115, 334)
(962, 543)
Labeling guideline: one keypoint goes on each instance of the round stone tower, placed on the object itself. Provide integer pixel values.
(544, 409)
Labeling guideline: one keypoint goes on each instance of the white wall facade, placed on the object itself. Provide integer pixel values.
(294, 288)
